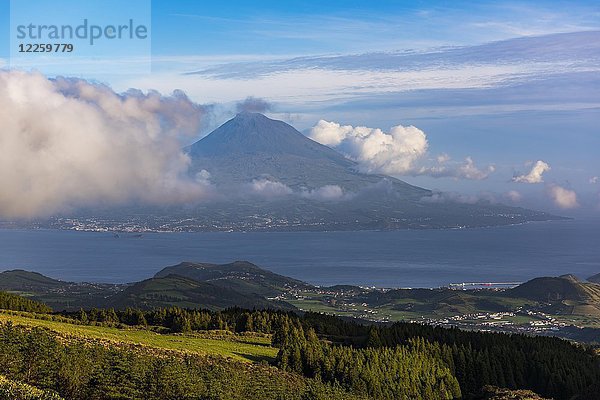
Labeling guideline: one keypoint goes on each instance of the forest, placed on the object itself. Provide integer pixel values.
(318, 357)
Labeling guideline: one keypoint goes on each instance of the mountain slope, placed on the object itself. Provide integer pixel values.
(59, 295)
(251, 146)
(241, 276)
(21, 280)
(551, 289)
(594, 278)
(564, 295)
(175, 290)
(188, 285)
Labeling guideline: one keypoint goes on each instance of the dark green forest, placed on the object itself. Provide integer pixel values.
(14, 302)
(85, 370)
(320, 357)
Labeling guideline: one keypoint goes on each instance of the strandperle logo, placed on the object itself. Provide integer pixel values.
(93, 33)
(84, 38)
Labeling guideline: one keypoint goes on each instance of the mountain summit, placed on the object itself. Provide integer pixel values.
(253, 133)
(252, 146)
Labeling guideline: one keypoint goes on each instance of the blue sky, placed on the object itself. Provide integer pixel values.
(187, 27)
(315, 27)
(503, 83)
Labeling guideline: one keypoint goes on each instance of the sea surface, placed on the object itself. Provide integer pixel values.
(414, 258)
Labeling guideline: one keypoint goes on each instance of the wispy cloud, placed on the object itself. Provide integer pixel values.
(561, 51)
(438, 197)
(500, 77)
(465, 170)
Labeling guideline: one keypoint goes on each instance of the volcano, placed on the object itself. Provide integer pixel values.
(252, 147)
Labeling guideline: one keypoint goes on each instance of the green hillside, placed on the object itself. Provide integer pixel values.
(187, 285)
(21, 280)
(175, 353)
(439, 302)
(57, 294)
(85, 367)
(549, 289)
(175, 290)
(246, 348)
(241, 276)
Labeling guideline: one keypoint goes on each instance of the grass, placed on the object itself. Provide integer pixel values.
(238, 347)
(588, 321)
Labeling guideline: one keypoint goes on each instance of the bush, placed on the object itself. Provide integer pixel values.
(11, 390)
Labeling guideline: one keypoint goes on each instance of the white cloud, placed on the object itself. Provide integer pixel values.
(402, 151)
(513, 196)
(469, 171)
(69, 143)
(271, 189)
(454, 197)
(203, 177)
(593, 180)
(393, 153)
(563, 198)
(535, 174)
(466, 170)
(325, 193)
(268, 188)
(443, 158)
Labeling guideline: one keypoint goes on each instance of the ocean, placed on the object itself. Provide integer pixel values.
(413, 258)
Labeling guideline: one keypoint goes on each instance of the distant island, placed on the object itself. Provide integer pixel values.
(270, 177)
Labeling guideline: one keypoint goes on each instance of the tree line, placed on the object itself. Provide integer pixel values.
(181, 320)
(9, 301)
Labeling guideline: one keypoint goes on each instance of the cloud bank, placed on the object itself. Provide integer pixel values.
(438, 197)
(402, 151)
(535, 175)
(271, 189)
(68, 143)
